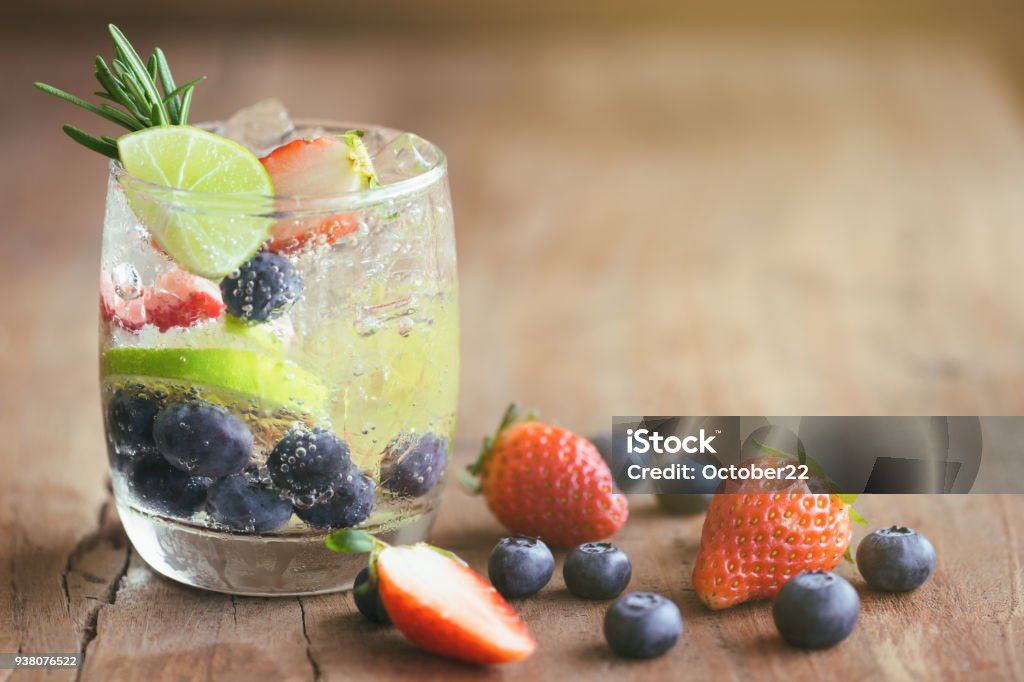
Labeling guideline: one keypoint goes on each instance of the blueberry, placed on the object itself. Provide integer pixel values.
(368, 599)
(241, 503)
(349, 503)
(308, 462)
(605, 444)
(519, 566)
(687, 496)
(414, 469)
(816, 610)
(642, 625)
(163, 489)
(262, 289)
(897, 559)
(597, 570)
(130, 418)
(202, 439)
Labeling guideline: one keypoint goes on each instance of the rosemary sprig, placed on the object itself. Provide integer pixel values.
(138, 95)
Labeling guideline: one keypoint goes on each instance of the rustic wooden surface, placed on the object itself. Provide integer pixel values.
(659, 223)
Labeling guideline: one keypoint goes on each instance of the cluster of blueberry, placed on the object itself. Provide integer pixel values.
(637, 625)
(818, 609)
(182, 457)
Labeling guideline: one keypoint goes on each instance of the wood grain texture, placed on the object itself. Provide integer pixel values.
(656, 223)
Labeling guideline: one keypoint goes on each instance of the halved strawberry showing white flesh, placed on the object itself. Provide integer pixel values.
(318, 167)
(128, 314)
(439, 603)
(175, 299)
(181, 299)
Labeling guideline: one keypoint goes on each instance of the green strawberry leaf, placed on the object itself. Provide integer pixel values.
(468, 476)
(857, 518)
(350, 541)
(769, 450)
(470, 482)
(848, 556)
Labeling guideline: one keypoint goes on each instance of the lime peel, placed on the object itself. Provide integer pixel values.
(205, 238)
(262, 376)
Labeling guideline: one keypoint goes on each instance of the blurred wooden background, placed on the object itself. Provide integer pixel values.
(738, 208)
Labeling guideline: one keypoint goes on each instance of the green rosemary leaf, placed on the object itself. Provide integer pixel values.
(131, 57)
(151, 68)
(167, 83)
(124, 119)
(130, 94)
(186, 103)
(113, 86)
(91, 142)
(178, 91)
(67, 97)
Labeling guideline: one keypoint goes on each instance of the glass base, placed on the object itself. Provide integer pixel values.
(253, 565)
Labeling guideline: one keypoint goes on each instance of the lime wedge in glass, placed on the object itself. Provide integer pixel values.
(268, 378)
(206, 234)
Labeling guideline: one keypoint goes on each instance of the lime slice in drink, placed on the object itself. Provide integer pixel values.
(206, 234)
(264, 377)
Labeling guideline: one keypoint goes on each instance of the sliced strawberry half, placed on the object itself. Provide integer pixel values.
(319, 167)
(180, 299)
(447, 608)
(127, 314)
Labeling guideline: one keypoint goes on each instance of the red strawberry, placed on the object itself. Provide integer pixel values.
(439, 603)
(180, 299)
(760, 533)
(127, 314)
(320, 167)
(547, 482)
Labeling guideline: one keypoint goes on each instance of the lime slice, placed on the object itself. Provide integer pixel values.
(205, 237)
(267, 378)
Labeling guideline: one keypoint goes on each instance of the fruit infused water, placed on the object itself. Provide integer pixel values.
(279, 335)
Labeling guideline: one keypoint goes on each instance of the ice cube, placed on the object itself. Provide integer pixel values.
(406, 156)
(260, 127)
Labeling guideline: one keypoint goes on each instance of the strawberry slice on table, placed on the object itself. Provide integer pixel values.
(439, 603)
(760, 533)
(318, 167)
(180, 299)
(547, 482)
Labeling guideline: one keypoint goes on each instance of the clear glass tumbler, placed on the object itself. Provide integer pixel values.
(236, 448)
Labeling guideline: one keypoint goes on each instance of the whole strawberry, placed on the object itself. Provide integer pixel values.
(760, 533)
(547, 482)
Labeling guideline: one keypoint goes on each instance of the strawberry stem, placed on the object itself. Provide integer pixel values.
(469, 476)
(349, 541)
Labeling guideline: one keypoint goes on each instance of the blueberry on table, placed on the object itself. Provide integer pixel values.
(202, 439)
(642, 625)
(520, 566)
(164, 489)
(414, 469)
(688, 496)
(367, 599)
(262, 289)
(349, 504)
(130, 417)
(896, 559)
(816, 610)
(243, 504)
(597, 570)
(308, 461)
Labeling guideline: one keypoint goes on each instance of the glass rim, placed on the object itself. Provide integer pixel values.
(281, 205)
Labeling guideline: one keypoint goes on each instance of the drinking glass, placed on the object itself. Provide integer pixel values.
(363, 365)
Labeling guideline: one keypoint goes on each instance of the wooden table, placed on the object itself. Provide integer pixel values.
(661, 223)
